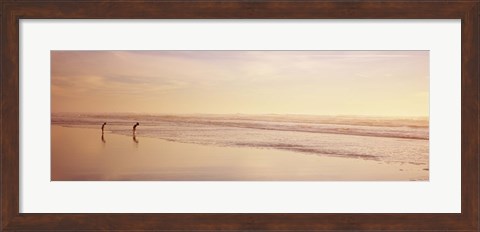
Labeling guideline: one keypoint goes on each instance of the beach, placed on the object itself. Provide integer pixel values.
(81, 153)
(240, 115)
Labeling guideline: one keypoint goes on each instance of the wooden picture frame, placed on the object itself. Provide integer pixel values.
(466, 10)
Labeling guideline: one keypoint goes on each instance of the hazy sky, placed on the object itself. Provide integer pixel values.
(379, 83)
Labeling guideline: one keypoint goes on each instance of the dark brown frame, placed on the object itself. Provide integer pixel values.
(12, 11)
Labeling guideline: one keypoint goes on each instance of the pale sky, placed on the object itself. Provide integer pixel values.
(374, 83)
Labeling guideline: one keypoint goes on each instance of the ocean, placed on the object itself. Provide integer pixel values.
(384, 139)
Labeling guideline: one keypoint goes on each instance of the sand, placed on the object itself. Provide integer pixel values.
(80, 154)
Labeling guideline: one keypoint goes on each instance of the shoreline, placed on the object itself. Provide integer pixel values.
(286, 147)
(249, 123)
(82, 154)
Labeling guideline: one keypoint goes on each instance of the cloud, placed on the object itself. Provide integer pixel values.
(310, 81)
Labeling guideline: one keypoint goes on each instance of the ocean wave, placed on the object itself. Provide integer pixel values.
(361, 126)
(396, 143)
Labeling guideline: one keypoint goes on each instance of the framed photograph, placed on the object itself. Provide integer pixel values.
(240, 115)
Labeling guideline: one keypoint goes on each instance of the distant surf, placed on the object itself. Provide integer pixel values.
(385, 139)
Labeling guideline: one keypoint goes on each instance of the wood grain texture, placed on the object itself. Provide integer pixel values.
(12, 11)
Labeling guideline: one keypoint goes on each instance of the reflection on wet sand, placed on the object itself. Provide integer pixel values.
(78, 155)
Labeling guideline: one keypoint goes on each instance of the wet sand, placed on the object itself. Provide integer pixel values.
(80, 154)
